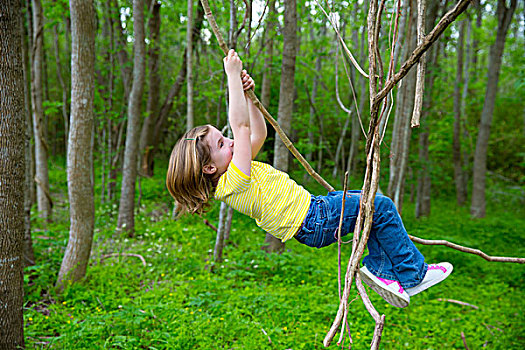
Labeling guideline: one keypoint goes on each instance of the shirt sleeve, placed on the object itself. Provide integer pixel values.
(233, 181)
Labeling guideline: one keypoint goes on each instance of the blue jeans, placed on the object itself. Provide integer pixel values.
(391, 254)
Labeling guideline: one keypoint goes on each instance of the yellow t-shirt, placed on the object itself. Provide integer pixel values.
(276, 202)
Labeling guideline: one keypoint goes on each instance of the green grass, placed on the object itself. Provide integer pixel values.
(252, 300)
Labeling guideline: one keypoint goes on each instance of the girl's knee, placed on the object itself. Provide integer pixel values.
(384, 203)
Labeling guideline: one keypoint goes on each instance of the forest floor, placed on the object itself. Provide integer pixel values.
(180, 299)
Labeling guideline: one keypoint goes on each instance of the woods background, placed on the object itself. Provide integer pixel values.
(102, 90)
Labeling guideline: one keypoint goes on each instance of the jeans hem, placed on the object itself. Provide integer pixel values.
(405, 285)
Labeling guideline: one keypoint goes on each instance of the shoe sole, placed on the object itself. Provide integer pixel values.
(389, 296)
(422, 287)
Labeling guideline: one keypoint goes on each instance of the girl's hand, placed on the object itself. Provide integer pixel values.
(247, 81)
(232, 64)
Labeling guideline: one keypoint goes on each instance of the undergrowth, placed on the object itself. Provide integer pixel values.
(181, 299)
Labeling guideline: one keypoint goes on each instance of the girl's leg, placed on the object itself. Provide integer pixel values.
(392, 255)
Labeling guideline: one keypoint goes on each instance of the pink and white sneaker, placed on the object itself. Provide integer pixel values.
(390, 291)
(435, 274)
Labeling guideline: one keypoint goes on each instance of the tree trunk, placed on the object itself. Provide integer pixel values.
(122, 54)
(225, 213)
(228, 225)
(219, 239)
(312, 119)
(152, 108)
(466, 153)
(286, 97)
(423, 190)
(80, 154)
(339, 148)
(41, 146)
(29, 255)
(160, 119)
(12, 168)
(362, 94)
(189, 69)
(456, 142)
(65, 113)
(477, 207)
(126, 215)
(268, 57)
(110, 175)
(401, 132)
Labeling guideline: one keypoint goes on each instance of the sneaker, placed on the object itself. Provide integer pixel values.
(435, 274)
(390, 291)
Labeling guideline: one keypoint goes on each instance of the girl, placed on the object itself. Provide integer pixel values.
(205, 163)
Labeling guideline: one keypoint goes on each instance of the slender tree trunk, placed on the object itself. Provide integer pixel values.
(29, 255)
(105, 89)
(477, 207)
(228, 225)
(126, 216)
(65, 113)
(286, 97)
(456, 143)
(466, 152)
(122, 54)
(339, 148)
(110, 171)
(423, 190)
(41, 146)
(29, 83)
(225, 213)
(167, 105)
(12, 168)
(401, 131)
(361, 94)
(126, 76)
(189, 70)
(80, 154)
(219, 239)
(152, 107)
(475, 43)
(268, 57)
(311, 120)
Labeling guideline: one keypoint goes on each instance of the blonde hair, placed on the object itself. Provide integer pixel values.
(186, 182)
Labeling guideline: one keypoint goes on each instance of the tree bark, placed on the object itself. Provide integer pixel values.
(286, 97)
(29, 255)
(456, 142)
(477, 207)
(41, 147)
(219, 239)
(12, 169)
(122, 54)
(362, 96)
(126, 216)
(160, 119)
(312, 118)
(268, 57)
(152, 108)
(423, 190)
(401, 132)
(189, 68)
(65, 113)
(80, 154)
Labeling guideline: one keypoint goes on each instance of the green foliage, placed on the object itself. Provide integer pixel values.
(181, 299)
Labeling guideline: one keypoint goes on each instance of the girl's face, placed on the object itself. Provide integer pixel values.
(221, 149)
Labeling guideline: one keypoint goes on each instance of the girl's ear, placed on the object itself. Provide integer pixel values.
(209, 169)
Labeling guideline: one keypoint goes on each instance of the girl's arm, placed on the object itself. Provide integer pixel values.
(238, 113)
(257, 122)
